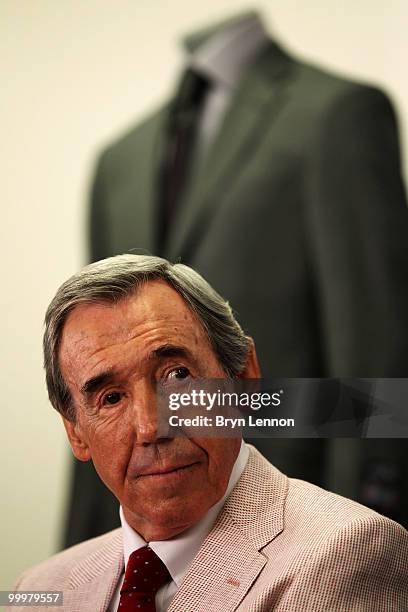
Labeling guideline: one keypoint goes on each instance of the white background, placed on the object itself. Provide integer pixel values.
(74, 73)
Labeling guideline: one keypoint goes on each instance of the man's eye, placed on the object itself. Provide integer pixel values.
(112, 398)
(179, 373)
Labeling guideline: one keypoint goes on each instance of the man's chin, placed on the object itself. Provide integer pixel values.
(162, 520)
(178, 483)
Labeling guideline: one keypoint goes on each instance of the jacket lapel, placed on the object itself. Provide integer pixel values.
(131, 211)
(94, 579)
(229, 561)
(256, 103)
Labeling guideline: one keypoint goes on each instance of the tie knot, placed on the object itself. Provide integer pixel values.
(190, 92)
(145, 573)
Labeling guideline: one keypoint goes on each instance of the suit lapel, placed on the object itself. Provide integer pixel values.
(94, 579)
(149, 208)
(229, 561)
(132, 214)
(255, 104)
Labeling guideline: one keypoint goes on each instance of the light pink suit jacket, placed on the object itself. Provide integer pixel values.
(279, 544)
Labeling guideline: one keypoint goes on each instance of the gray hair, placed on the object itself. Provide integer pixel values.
(115, 278)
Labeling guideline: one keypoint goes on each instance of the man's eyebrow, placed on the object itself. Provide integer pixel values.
(171, 350)
(92, 385)
(96, 382)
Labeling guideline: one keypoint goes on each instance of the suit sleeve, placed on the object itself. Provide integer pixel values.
(357, 222)
(362, 568)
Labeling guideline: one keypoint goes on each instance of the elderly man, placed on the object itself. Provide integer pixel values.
(208, 525)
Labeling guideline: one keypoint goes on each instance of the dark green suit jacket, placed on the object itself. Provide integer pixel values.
(298, 217)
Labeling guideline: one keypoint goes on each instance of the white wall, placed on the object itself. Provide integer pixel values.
(73, 74)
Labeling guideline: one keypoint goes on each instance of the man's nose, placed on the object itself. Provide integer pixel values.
(145, 414)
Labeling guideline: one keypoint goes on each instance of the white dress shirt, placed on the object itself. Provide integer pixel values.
(177, 553)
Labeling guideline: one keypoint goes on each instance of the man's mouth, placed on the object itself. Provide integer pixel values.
(167, 471)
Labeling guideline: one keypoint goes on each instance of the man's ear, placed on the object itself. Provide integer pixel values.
(78, 444)
(251, 369)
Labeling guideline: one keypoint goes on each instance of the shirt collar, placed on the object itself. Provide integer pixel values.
(229, 49)
(178, 553)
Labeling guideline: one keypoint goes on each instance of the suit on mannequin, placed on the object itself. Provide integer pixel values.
(295, 211)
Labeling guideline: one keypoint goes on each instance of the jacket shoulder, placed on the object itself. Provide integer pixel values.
(128, 146)
(342, 554)
(314, 518)
(318, 97)
(326, 508)
(55, 572)
(316, 80)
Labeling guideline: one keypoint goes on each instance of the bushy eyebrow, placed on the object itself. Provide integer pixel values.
(96, 382)
(170, 350)
(91, 386)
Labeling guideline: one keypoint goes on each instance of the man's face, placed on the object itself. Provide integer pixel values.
(111, 357)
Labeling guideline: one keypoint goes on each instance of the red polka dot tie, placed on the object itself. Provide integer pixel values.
(145, 574)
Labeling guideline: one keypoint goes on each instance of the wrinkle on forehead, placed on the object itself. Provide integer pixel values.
(154, 303)
(155, 312)
(122, 335)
